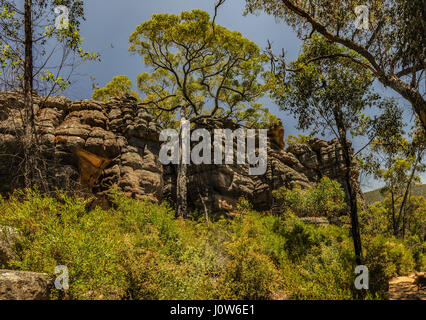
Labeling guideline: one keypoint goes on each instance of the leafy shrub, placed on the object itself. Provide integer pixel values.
(249, 272)
(300, 138)
(373, 220)
(417, 246)
(318, 261)
(327, 199)
(139, 250)
(61, 231)
(386, 258)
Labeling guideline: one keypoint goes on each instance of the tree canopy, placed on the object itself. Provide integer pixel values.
(200, 69)
(119, 86)
(315, 89)
(54, 49)
(393, 47)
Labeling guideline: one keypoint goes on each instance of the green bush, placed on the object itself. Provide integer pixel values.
(418, 247)
(249, 273)
(386, 258)
(327, 199)
(318, 261)
(139, 250)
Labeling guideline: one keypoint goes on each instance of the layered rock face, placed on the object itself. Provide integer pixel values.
(218, 188)
(88, 145)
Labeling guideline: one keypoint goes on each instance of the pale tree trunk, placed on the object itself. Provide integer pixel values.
(182, 180)
(29, 125)
(182, 190)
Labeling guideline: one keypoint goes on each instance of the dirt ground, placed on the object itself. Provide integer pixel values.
(404, 288)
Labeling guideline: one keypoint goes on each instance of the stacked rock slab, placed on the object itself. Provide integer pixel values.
(219, 187)
(86, 145)
(89, 145)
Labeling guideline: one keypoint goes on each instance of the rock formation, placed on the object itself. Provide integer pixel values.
(219, 187)
(86, 145)
(89, 145)
(22, 285)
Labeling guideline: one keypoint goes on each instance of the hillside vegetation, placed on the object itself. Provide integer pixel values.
(375, 195)
(139, 250)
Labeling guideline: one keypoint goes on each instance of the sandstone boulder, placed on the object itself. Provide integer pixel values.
(21, 285)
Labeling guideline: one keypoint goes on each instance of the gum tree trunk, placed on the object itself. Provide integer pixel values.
(29, 126)
(182, 178)
(353, 205)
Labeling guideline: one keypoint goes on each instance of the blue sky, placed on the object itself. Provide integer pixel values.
(109, 24)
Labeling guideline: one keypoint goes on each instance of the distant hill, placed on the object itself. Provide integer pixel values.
(375, 195)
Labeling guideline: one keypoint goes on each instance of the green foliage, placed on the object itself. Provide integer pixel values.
(392, 40)
(249, 273)
(315, 262)
(244, 205)
(327, 95)
(374, 220)
(200, 69)
(119, 86)
(378, 218)
(61, 232)
(385, 259)
(46, 40)
(327, 199)
(412, 45)
(139, 250)
(302, 139)
(373, 196)
(396, 161)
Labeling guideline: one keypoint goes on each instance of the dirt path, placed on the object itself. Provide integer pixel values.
(403, 288)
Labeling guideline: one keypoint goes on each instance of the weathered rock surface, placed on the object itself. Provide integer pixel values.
(21, 285)
(319, 221)
(86, 145)
(219, 187)
(92, 145)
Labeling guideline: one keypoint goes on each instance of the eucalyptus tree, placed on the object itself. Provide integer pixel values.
(391, 44)
(40, 40)
(200, 70)
(330, 96)
(396, 159)
(119, 86)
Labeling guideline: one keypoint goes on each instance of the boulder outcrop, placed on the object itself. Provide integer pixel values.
(218, 188)
(89, 145)
(23, 285)
(86, 145)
